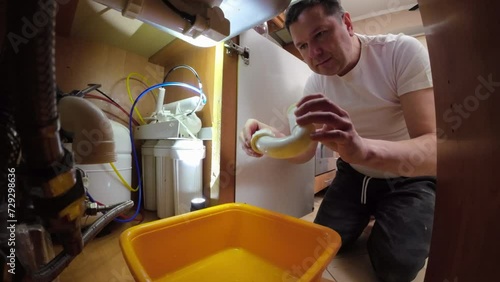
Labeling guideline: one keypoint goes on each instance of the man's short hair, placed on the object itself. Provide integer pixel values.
(331, 7)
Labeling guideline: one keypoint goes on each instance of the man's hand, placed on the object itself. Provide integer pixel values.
(413, 157)
(251, 126)
(335, 131)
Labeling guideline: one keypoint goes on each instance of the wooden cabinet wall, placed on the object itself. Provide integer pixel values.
(323, 180)
(465, 65)
(80, 62)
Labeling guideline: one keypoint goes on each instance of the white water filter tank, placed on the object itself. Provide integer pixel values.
(104, 184)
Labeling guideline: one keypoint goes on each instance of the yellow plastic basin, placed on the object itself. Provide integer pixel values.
(229, 242)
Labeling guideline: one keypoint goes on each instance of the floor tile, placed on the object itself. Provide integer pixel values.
(352, 269)
(420, 276)
(354, 265)
(327, 277)
(309, 217)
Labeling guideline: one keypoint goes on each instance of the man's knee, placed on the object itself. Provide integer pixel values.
(391, 268)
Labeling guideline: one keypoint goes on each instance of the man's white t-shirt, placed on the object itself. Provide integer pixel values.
(389, 67)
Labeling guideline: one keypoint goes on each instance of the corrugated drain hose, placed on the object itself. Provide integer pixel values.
(47, 170)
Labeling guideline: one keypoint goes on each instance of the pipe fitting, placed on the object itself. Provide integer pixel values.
(265, 142)
(93, 135)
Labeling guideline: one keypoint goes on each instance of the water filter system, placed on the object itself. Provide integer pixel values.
(192, 104)
(172, 174)
(172, 156)
(183, 112)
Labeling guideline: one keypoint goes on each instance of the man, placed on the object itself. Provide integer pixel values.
(371, 100)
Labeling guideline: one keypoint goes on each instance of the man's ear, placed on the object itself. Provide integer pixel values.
(348, 23)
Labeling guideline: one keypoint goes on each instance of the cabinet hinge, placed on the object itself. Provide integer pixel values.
(244, 52)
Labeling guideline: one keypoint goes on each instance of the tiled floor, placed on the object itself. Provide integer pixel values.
(352, 266)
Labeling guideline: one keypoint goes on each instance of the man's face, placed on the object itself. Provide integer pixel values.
(324, 41)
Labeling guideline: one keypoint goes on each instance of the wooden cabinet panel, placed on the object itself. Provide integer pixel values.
(323, 180)
(276, 23)
(465, 67)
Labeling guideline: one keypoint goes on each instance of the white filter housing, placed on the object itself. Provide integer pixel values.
(178, 175)
(149, 174)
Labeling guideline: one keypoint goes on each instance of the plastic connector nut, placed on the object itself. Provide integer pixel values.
(218, 24)
(132, 9)
(211, 23)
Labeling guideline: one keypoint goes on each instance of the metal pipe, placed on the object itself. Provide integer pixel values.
(51, 270)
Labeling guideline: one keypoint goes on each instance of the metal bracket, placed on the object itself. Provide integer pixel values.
(244, 52)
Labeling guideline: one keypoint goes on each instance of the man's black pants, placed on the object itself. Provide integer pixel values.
(404, 212)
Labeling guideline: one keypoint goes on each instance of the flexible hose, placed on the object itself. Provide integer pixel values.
(127, 82)
(203, 98)
(111, 102)
(31, 79)
(124, 182)
(9, 138)
(32, 84)
(51, 270)
(10, 144)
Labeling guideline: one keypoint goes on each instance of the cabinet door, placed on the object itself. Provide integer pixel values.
(272, 81)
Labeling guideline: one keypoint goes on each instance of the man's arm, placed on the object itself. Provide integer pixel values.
(418, 155)
(414, 157)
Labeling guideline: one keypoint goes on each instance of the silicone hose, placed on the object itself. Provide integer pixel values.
(265, 142)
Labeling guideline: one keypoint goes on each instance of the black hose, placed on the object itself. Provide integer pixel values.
(31, 79)
(10, 143)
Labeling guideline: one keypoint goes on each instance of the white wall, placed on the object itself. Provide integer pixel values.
(407, 22)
